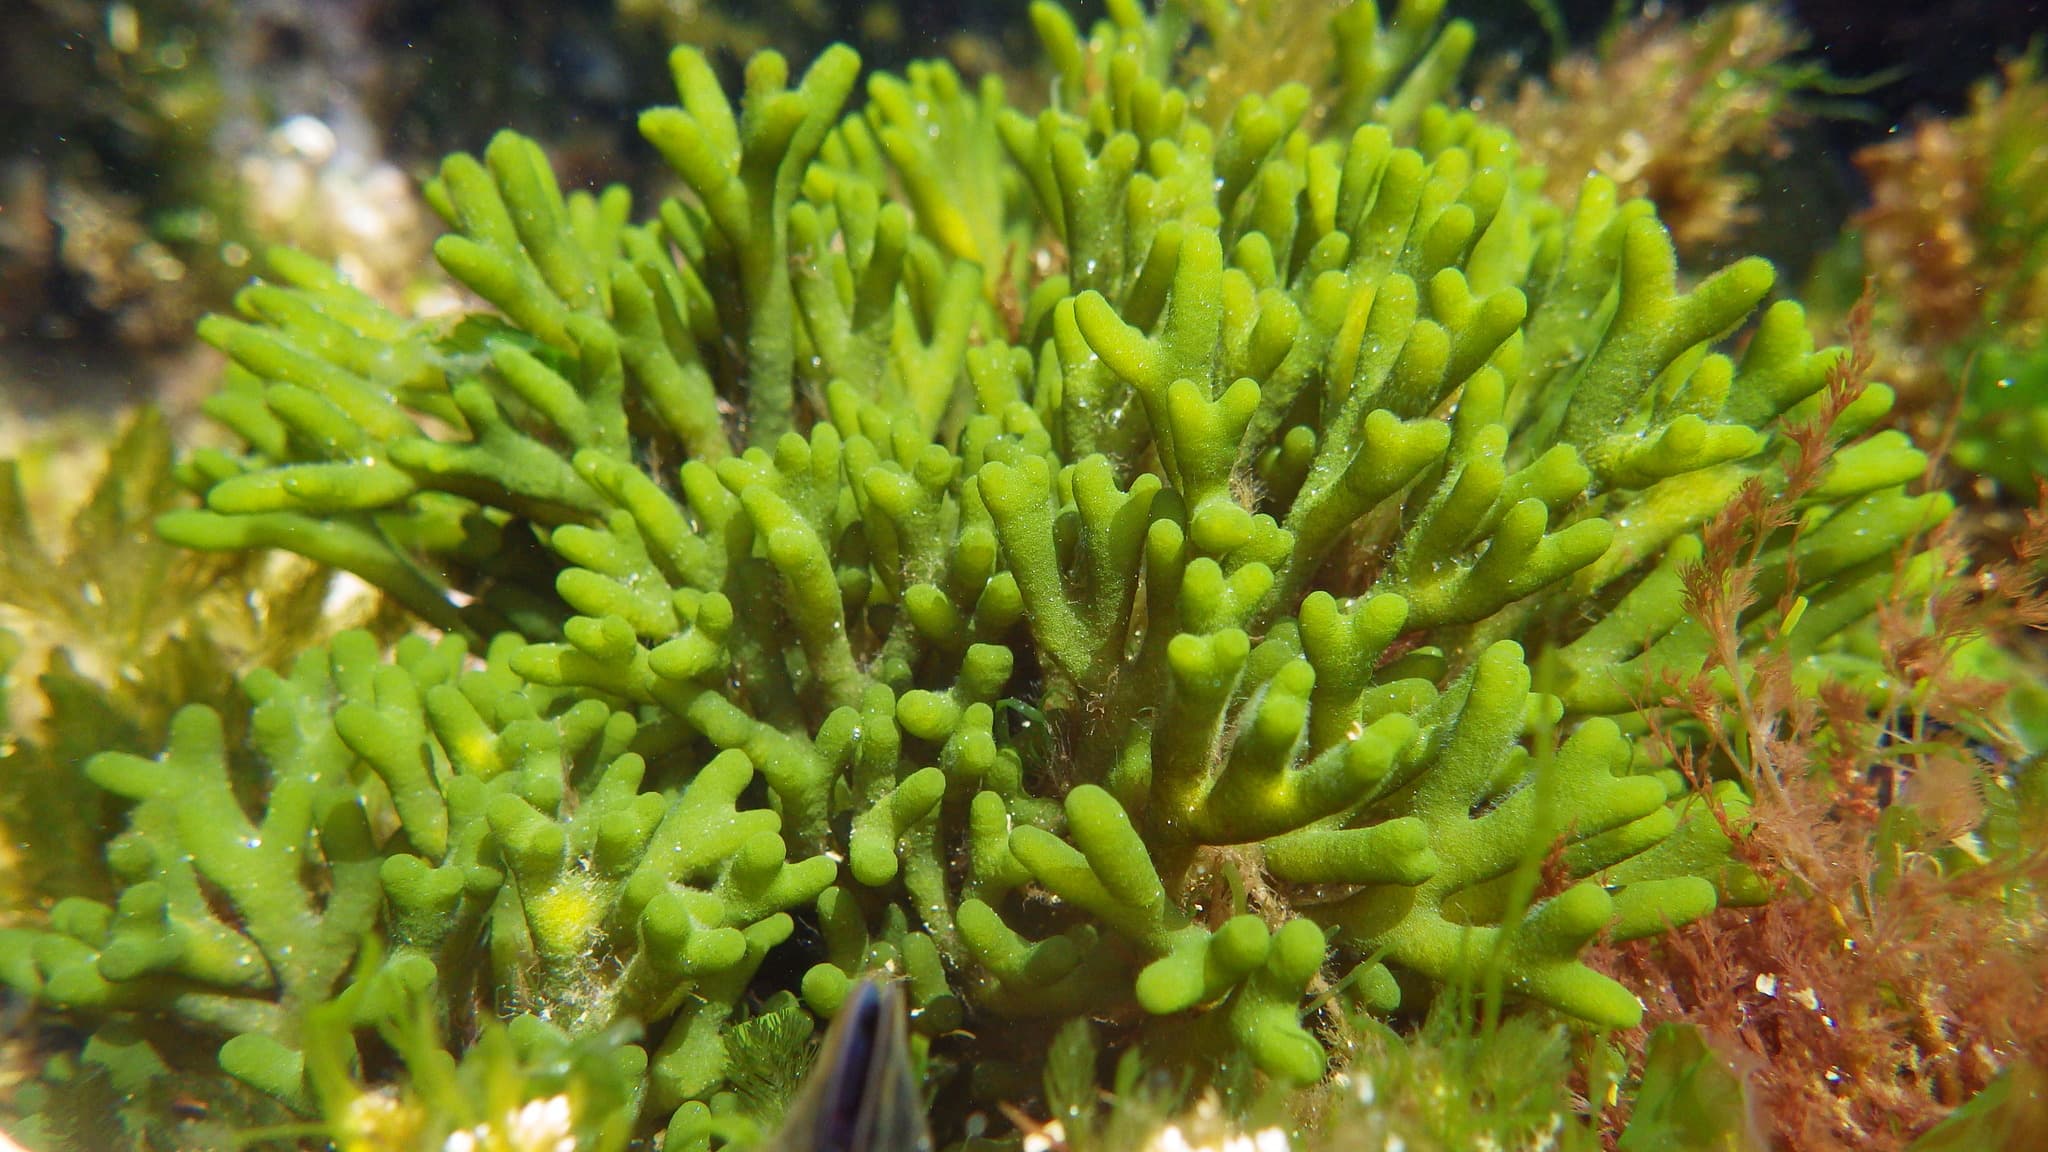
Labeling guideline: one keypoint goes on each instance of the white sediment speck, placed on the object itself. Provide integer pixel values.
(538, 1126)
(307, 136)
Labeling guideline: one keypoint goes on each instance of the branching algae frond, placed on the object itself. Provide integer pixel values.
(1090, 563)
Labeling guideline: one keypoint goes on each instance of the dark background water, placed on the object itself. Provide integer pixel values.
(1932, 51)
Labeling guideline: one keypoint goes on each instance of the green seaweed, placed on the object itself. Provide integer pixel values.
(1091, 564)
